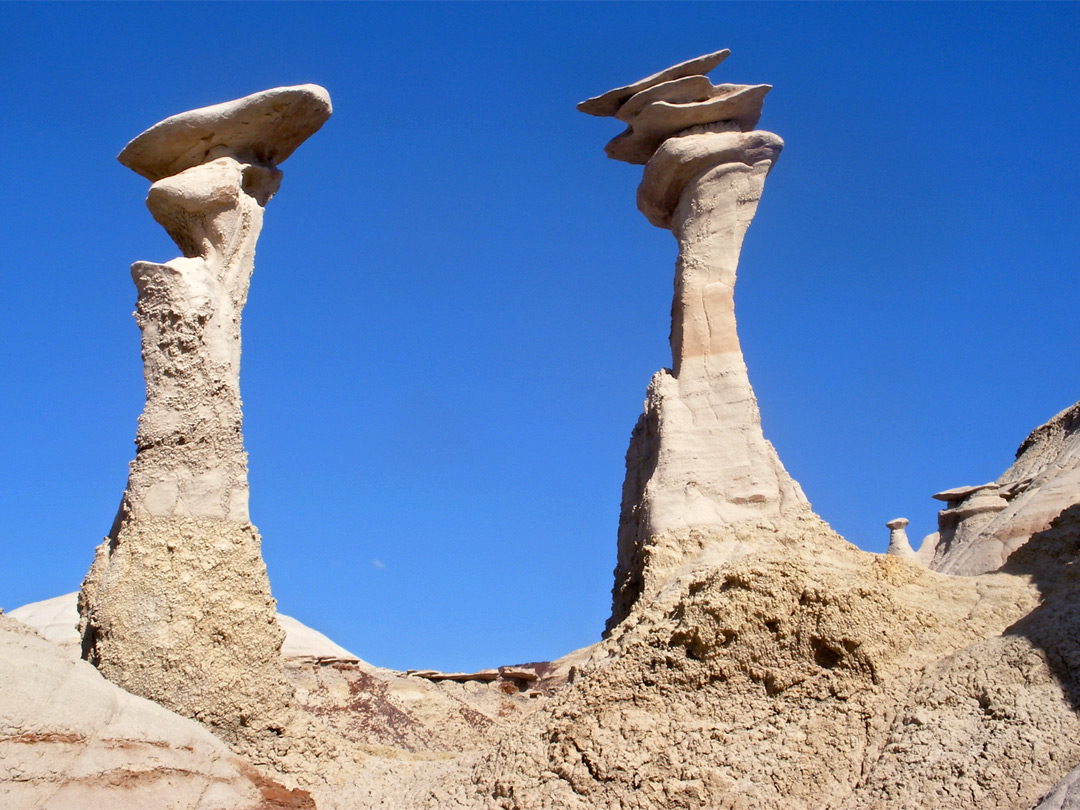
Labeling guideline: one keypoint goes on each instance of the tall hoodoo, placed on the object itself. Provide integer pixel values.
(698, 464)
(177, 606)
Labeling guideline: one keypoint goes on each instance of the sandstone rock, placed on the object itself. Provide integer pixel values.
(680, 160)
(610, 102)
(264, 128)
(698, 460)
(984, 525)
(57, 620)
(177, 606)
(70, 739)
(730, 107)
(813, 675)
(1065, 796)
(518, 673)
(898, 539)
(676, 91)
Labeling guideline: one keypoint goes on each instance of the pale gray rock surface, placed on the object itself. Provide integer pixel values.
(983, 525)
(70, 740)
(698, 460)
(1065, 796)
(177, 605)
(899, 545)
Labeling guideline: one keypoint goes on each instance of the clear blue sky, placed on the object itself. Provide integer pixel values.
(456, 307)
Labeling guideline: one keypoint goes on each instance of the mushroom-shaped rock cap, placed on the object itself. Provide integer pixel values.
(609, 102)
(264, 128)
(897, 523)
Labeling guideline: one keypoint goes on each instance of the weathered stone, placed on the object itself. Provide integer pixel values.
(57, 620)
(730, 108)
(698, 460)
(680, 160)
(676, 91)
(984, 525)
(177, 606)
(610, 102)
(263, 129)
(518, 673)
(899, 546)
(71, 739)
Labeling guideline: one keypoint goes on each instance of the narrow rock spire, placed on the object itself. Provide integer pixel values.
(698, 465)
(899, 545)
(177, 606)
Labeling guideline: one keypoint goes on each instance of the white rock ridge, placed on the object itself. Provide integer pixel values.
(177, 606)
(698, 460)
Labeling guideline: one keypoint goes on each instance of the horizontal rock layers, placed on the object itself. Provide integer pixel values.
(698, 460)
(177, 605)
(71, 739)
(983, 525)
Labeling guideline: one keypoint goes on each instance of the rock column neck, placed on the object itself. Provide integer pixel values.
(699, 467)
(715, 209)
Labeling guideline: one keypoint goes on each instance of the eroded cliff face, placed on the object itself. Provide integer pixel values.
(815, 675)
(982, 526)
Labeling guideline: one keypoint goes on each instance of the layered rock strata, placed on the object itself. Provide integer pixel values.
(177, 605)
(71, 739)
(698, 460)
(983, 525)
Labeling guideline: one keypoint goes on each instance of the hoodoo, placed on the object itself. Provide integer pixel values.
(177, 606)
(698, 463)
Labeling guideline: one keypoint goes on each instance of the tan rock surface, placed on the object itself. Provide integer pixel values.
(813, 675)
(609, 103)
(731, 107)
(70, 740)
(698, 459)
(57, 620)
(177, 605)
(263, 128)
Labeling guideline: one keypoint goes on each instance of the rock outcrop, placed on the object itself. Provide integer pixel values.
(70, 740)
(754, 658)
(57, 620)
(177, 605)
(815, 675)
(698, 461)
(983, 525)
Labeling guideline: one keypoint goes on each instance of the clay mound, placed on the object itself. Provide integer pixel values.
(818, 676)
(70, 739)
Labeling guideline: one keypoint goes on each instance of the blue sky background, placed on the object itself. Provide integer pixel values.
(456, 307)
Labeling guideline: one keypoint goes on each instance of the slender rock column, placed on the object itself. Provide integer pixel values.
(177, 606)
(698, 466)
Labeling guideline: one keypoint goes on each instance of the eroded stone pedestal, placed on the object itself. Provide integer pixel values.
(698, 466)
(177, 604)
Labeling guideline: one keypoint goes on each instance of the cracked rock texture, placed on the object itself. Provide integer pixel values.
(177, 606)
(814, 675)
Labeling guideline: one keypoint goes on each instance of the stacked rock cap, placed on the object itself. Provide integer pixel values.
(675, 101)
(263, 128)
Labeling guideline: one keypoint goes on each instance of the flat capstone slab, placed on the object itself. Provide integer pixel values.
(264, 128)
(609, 102)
